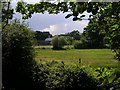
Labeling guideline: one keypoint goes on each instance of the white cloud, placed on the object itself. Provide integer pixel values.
(52, 29)
(66, 27)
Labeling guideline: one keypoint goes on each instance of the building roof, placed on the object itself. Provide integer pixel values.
(48, 39)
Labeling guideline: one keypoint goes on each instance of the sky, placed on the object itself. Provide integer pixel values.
(55, 24)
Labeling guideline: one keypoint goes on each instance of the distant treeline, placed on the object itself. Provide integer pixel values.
(87, 39)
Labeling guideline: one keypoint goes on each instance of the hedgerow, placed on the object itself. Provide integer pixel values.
(59, 76)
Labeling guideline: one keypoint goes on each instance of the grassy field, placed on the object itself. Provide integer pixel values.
(91, 57)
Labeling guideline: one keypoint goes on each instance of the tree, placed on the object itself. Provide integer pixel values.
(42, 35)
(58, 42)
(102, 12)
(71, 36)
(106, 23)
(93, 36)
(7, 12)
(17, 56)
(75, 34)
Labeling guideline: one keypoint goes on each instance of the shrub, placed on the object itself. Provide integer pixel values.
(78, 78)
(58, 42)
(17, 56)
(58, 76)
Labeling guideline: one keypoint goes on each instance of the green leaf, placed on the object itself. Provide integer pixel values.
(114, 27)
(75, 11)
(105, 69)
(111, 78)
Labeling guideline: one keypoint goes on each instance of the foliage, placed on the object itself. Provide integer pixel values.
(58, 42)
(92, 36)
(108, 78)
(75, 35)
(17, 56)
(89, 40)
(54, 75)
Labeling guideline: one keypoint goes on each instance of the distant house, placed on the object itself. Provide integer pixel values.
(48, 40)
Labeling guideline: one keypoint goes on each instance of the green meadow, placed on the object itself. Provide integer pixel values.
(88, 57)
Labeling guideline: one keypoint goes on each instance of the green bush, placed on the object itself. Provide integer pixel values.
(17, 56)
(58, 76)
(58, 42)
(77, 45)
